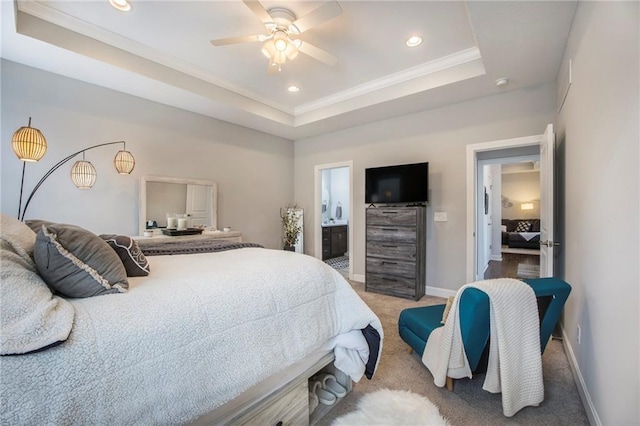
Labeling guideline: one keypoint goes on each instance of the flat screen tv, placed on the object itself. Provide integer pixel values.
(405, 183)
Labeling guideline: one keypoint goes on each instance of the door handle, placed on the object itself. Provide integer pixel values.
(549, 243)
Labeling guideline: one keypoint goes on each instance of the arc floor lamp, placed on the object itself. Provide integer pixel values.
(30, 145)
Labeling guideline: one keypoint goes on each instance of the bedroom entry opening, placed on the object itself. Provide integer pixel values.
(332, 215)
(510, 218)
(510, 202)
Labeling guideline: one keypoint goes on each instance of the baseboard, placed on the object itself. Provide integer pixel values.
(589, 408)
(358, 278)
(496, 257)
(439, 292)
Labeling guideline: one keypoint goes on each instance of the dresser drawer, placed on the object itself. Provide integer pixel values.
(390, 250)
(291, 408)
(401, 268)
(396, 217)
(399, 286)
(392, 234)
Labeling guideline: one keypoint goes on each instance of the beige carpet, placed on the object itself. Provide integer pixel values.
(468, 404)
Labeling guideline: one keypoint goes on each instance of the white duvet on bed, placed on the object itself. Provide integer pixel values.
(194, 334)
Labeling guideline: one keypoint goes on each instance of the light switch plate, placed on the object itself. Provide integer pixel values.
(440, 216)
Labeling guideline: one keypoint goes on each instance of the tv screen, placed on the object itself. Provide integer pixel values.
(406, 183)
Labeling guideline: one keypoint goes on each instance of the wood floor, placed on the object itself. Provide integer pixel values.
(508, 268)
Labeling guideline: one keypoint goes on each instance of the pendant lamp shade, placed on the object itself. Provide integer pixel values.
(83, 174)
(124, 162)
(28, 143)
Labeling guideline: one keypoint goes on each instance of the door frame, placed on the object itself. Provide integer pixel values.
(317, 206)
(472, 192)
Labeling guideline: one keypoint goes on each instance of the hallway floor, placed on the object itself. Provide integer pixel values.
(508, 267)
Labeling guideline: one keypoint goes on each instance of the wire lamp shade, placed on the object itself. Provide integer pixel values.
(83, 174)
(28, 143)
(124, 162)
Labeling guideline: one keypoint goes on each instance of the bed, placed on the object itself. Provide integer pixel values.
(202, 338)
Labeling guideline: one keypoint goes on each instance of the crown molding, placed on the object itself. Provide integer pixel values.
(440, 64)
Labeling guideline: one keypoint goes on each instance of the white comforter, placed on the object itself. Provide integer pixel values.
(197, 332)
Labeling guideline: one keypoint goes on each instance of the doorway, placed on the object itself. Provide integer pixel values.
(479, 155)
(512, 200)
(333, 215)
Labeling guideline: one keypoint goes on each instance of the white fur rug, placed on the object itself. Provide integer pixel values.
(393, 407)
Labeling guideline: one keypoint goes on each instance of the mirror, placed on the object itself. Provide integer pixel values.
(160, 195)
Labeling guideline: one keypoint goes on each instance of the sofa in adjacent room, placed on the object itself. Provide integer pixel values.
(521, 233)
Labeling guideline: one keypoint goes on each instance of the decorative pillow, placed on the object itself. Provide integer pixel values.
(523, 226)
(135, 263)
(535, 226)
(31, 317)
(77, 263)
(36, 224)
(504, 228)
(447, 308)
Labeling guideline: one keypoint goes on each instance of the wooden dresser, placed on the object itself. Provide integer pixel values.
(396, 251)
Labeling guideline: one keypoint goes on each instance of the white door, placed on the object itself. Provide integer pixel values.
(199, 205)
(547, 150)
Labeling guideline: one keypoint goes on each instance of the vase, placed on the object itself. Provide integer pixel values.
(289, 248)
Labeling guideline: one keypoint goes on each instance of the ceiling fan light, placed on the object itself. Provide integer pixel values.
(280, 41)
(268, 49)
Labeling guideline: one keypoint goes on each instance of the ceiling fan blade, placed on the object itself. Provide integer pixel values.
(327, 11)
(240, 39)
(317, 53)
(259, 11)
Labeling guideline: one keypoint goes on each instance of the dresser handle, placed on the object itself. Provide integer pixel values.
(279, 423)
(389, 229)
(388, 246)
(390, 279)
(389, 263)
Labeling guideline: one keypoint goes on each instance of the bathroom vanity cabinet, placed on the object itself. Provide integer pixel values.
(334, 241)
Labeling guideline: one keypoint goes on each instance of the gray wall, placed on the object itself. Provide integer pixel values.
(438, 136)
(254, 170)
(599, 204)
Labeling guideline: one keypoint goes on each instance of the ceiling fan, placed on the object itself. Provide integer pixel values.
(280, 42)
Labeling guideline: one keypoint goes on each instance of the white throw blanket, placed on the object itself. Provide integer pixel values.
(195, 333)
(515, 362)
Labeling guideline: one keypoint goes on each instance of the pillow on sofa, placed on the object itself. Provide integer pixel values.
(135, 263)
(31, 317)
(535, 225)
(77, 263)
(523, 226)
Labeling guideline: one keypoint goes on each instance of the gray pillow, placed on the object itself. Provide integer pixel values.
(134, 261)
(77, 263)
(31, 318)
(36, 224)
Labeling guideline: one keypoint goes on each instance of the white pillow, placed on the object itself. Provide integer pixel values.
(31, 317)
(504, 228)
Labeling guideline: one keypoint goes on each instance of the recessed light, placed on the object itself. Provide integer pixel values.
(293, 89)
(122, 5)
(413, 41)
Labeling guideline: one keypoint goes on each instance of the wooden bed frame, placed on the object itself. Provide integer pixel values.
(281, 399)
